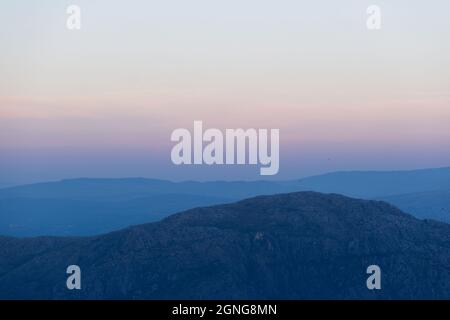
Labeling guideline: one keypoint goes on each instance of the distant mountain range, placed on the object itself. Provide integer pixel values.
(302, 245)
(94, 206)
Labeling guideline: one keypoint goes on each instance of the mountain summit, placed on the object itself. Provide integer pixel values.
(303, 245)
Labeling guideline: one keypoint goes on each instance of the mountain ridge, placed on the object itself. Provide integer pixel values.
(302, 245)
(76, 206)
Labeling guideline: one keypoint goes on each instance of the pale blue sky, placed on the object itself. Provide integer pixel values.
(102, 101)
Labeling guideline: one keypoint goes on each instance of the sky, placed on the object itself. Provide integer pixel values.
(102, 101)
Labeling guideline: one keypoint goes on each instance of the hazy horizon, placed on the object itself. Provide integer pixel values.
(257, 179)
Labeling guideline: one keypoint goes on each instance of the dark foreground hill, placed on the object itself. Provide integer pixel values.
(292, 246)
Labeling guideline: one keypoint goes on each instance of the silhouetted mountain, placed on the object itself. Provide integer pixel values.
(291, 246)
(424, 205)
(94, 206)
(127, 188)
(373, 184)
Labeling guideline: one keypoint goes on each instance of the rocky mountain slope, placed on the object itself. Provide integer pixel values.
(302, 245)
